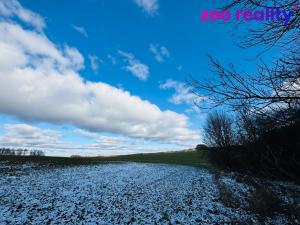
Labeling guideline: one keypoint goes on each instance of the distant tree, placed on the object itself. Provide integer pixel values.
(201, 147)
(7, 151)
(21, 152)
(218, 130)
(75, 156)
(25, 152)
(36, 153)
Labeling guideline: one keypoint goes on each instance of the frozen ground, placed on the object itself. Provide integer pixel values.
(132, 194)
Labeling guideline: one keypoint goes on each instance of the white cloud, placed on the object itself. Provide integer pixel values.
(183, 94)
(23, 135)
(75, 58)
(179, 68)
(94, 61)
(138, 69)
(49, 141)
(80, 30)
(12, 8)
(161, 53)
(39, 81)
(149, 6)
(113, 59)
(108, 142)
(86, 133)
(34, 48)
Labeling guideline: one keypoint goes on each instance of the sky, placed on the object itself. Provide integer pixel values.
(101, 77)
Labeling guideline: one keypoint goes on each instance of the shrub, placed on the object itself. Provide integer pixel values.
(201, 147)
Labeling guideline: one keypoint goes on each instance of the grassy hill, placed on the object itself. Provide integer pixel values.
(192, 158)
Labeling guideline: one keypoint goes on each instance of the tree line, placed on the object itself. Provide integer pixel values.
(254, 119)
(20, 152)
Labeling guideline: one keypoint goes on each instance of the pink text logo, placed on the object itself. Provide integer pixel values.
(266, 14)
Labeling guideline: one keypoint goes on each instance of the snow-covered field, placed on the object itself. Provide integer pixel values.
(128, 194)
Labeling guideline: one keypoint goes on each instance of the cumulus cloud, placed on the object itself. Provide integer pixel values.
(49, 141)
(75, 58)
(182, 95)
(149, 6)
(95, 62)
(111, 143)
(40, 81)
(80, 30)
(161, 53)
(35, 50)
(23, 135)
(12, 8)
(138, 69)
(86, 133)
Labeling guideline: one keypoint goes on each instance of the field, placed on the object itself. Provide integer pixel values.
(138, 193)
(192, 158)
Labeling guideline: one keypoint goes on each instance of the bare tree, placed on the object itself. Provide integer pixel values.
(274, 89)
(36, 153)
(274, 32)
(20, 152)
(218, 130)
(247, 130)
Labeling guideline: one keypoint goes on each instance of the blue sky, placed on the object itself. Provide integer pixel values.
(100, 77)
